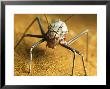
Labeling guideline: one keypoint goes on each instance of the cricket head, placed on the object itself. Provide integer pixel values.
(56, 33)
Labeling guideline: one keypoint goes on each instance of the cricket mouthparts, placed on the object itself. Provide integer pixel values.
(50, 45)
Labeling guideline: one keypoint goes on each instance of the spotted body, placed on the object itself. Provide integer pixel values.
(56, 33)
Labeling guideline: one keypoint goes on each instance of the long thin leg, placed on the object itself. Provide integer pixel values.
(41, 29)
(76, 37)
(40, 25)
(36, 36)
(75, 51)
(25, 33)
(28, 35)
(73, 64)
(84, 65)
(32, 47)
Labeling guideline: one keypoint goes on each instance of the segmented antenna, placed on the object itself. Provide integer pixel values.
(46, 19)
(68, 18)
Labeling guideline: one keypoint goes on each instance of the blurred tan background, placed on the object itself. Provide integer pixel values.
(55, 62)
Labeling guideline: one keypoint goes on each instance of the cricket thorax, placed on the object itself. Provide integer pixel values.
(56, 33)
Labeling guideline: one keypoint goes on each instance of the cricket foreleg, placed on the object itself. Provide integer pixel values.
(36, 36)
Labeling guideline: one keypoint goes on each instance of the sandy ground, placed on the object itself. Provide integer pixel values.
(55, 62)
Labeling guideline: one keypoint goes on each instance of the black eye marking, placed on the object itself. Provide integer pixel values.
(50, 26)
(61, 26)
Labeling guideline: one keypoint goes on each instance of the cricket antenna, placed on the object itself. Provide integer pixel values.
(46, 19)
(68, 18)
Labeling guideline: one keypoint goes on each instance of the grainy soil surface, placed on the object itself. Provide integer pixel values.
(58, 61)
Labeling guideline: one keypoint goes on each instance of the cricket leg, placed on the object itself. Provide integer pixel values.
(32, 47)
(36, 36)
(28, 35)
(24, 33)
(77, 52)
(76, 37)
(40, 25)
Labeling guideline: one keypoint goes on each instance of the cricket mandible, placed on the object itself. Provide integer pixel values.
(55, 35)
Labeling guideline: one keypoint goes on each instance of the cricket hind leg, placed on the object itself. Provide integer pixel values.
(76, 52)
(24, 34)
(40, 25)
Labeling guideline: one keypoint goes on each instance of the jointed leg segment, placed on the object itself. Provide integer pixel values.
(66, 45)
(40, 25)
(29, 35)
(76, 37)
(75, 52)
(32, 47)
(73, 64)
(36, 36)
